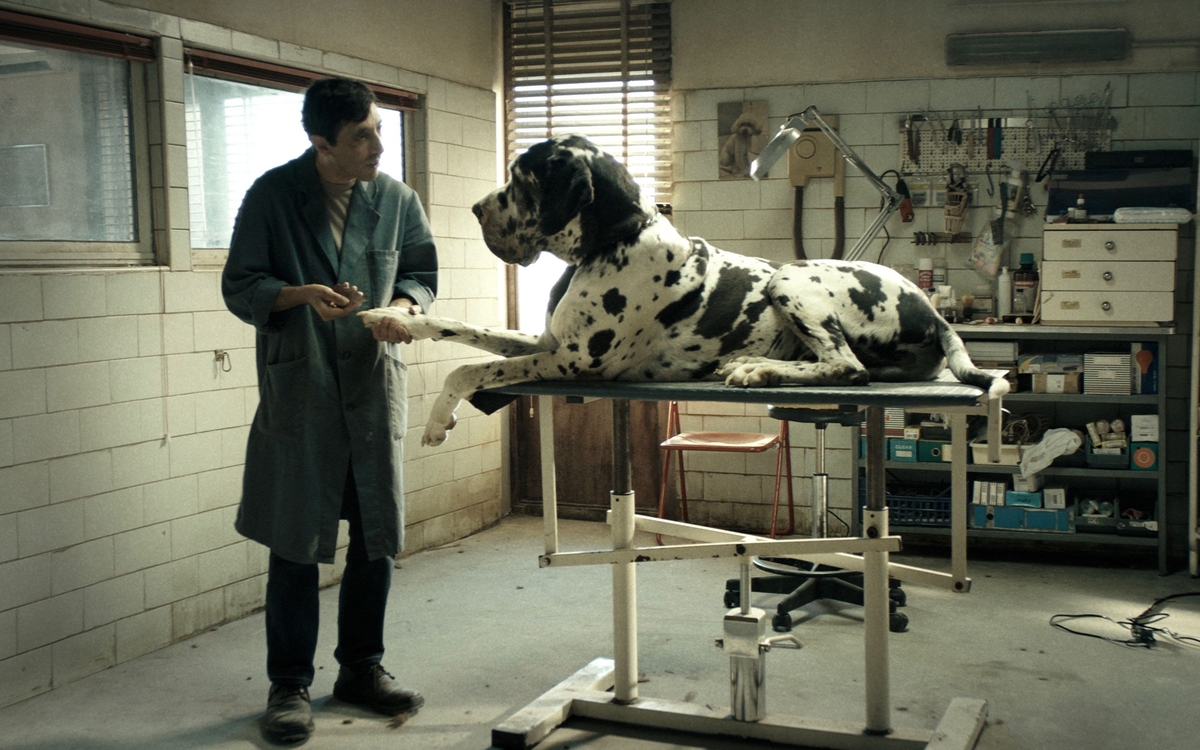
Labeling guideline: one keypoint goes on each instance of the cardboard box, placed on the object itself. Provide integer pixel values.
(1010, 455)
(1023, 499)
(1145, 366)
(1050, 363)
(1067, 382)
(1054, 497)
(912, 433)
(1143, 456)
(1143, 428)
(900, 449)
(1027, 484)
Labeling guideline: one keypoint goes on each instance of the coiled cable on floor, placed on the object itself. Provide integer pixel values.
(1141, 628)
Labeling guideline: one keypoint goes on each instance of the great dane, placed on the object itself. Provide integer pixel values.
(641, 302)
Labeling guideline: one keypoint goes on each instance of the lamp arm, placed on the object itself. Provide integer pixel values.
(789, 133)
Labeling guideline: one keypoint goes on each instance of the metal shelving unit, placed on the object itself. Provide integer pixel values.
(1081, 339)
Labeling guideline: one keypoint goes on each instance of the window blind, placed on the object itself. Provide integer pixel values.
(599, 68)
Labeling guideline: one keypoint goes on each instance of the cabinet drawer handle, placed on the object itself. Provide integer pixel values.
(1110, 245)
(1105, 306)
(1107, 276)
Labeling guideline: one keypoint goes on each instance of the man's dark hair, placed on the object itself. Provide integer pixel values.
(330, 103)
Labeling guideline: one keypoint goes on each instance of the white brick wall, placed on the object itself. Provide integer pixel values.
(121, 437)
(1153, 110)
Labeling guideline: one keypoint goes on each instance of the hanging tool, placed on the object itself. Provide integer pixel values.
(955, 134)
(912, 132)
(1048, 165)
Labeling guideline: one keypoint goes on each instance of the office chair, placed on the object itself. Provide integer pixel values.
(800, 581)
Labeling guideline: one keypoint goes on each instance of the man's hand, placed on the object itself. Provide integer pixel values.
(391, 329)
(334, 303)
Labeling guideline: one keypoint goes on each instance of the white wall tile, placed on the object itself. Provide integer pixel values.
(8, 539)
(181, 414)
(5, 347)
(8, 634)
(962, 93)
(216, 410)
(218, 330)
(170, 499)
(77, 386)
(80, 475)
(220, 488)
(82, 565)
(49, 527)
(22, 392)
(24, 676)
(29, 579)
(192, 292)
(205, 34)
(84, 654)
(254, 45)
(192, 454)
(139, 464)
(133, 379)
(49, 620)
(113, 599)
(133, 293)
(143, 633)
(141, 548)
(24, 486)
(20, 299)
(172, 582)
(53, 342)
(244, 597)
(45, 436)
(1161, 89)
(197, 614)
(120, 424)
(150, 336)
(296, 54)
(108, 338)
(223, 566)
(113, 512)
(728, 195)
(192, 535)
(73, 296)
(1170, 123)
(189, 373)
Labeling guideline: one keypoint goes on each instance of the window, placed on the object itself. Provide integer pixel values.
(600, 68)
(243, 118)
(73, 147)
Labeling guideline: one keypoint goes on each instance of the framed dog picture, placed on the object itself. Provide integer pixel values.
(741, 135)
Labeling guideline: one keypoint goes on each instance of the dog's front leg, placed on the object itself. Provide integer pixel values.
(468, 380)
(500, 341)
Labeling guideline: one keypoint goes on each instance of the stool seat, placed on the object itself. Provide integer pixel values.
(720, 441)
(847, 416)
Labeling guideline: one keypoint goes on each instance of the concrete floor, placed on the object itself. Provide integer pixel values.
(482, 631)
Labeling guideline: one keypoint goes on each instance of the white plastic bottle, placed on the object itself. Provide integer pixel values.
(1003, 293)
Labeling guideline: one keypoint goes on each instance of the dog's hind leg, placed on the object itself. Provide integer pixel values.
(836, 363)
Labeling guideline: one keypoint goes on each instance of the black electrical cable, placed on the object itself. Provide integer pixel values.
(1141, 628)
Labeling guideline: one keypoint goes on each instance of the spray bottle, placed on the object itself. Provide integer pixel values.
(1003, 294)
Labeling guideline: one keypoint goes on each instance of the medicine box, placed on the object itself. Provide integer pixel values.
(900, 449)
(1144, 428)
(1067, 382)
(1023, 499)
(1054, 497)
(1143, 456)
(1027, 484)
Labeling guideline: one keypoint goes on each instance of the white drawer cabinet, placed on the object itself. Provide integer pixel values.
(1108, 273)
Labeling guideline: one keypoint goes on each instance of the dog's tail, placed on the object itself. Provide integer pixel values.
(960, 364)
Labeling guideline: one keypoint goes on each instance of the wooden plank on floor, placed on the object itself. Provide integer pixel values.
(532, 724)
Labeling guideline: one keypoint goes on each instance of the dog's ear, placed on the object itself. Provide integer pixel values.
(617, 212)
(566, 189)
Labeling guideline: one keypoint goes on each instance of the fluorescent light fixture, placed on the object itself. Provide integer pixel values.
(1006, 48)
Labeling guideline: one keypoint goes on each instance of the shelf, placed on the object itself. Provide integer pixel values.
(1041, 536)
(1010, 331)
(1149, 399)
(1049, 471)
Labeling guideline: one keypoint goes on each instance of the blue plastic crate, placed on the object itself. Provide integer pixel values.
(916, 506)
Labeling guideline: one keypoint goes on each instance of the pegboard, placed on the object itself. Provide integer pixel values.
(1021, 144)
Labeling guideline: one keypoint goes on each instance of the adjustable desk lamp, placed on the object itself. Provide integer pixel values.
(790, 132)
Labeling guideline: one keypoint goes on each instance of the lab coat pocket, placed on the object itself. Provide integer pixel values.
(381, 265)
(397, 391)
(283, 396)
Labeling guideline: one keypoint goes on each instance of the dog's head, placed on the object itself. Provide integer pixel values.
(564, 196)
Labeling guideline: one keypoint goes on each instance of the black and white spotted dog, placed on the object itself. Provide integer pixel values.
(640, 302)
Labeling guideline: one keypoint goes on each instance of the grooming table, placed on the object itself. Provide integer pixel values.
(607, 689)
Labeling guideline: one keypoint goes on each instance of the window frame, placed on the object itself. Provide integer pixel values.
(224, 66)
(140, 53)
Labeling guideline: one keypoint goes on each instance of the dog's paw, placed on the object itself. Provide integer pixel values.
(436, 432)
(760, 374)
(738, 363)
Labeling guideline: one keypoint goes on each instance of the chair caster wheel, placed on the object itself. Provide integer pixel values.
(732, 599)
(781, 623)
(897, 622)
(898, 596)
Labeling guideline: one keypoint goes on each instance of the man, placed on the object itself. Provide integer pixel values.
(316, 239)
